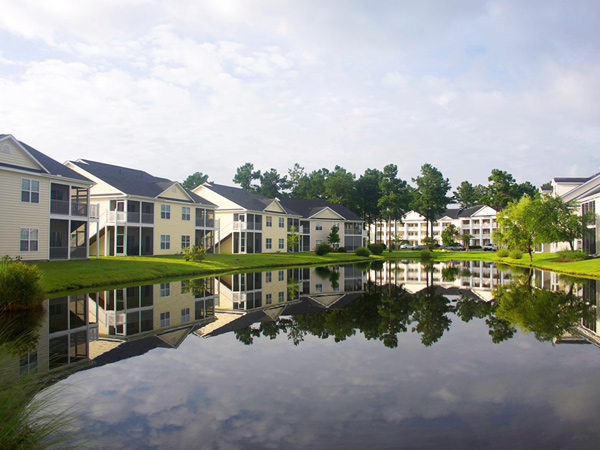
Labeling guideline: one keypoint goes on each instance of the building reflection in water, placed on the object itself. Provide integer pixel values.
(87, 330)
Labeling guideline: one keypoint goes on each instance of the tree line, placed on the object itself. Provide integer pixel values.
(378, 194)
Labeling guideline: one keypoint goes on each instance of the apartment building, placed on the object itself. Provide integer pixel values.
(478, 221)
(45, 206)
(141, 214)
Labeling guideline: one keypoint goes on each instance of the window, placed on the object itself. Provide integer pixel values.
(185, 241)
(269, 244)
(165, 319)
(281, 244)
(281, 297)
(165, 211)
(269, 221)
(165, 289)
(318, 288)
(281, 275)
(30, 191)
(29, 240)
(319, 241)
(319, 226)
(185, 315)
(165, 242)
(281, 222)
(268, 299)
(185, 212)
(267, 277)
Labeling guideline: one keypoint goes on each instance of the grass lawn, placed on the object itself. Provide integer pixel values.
(63, 276)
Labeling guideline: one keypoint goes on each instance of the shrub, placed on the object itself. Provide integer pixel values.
(383, 246)
(515, 254)
(20, 286)
(322, 249)
(376, 249)
(342, 250)
(425, 254)
(362, 251)
(567, 255)
(194, 253)
(502, 252)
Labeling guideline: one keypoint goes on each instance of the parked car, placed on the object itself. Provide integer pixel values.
(455, 248)
(490, 247)
(407, 247)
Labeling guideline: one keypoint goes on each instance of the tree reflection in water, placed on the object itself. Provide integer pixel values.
(385, 311)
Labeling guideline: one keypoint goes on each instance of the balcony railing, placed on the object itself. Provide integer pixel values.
(79, 209)
(133, 217)
(59, 207)
(147, 217)
(116, 216)
(239, 226)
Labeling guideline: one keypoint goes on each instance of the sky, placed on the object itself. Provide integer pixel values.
(176, 87)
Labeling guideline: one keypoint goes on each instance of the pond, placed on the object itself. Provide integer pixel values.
(401, 355)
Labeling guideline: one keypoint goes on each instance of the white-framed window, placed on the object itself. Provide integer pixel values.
(268, 299)
(319, 241)
(30, 190)
(165, 289)
(165, 211)
(185, 241)
(267, 277)
(185, 315)
(281, 222)
(281, 297)
(318, 288)
(185, 213)
(318, 226)
(165, 242)
(269, 243)
(281, 275)
(165, 319)
(29, 240)
(269, 221)
(281, 244)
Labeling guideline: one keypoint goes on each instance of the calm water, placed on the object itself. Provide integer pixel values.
(400, 356)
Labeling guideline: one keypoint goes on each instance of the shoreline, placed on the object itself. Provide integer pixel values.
(67, 277)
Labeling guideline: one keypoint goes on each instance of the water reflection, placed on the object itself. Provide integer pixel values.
(381, 302)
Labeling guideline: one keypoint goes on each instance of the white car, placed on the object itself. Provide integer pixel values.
(490, 247)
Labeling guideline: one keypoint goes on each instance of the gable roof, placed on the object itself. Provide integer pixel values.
(247, 200)
(309, 207)
(133, 181)
(48, 165)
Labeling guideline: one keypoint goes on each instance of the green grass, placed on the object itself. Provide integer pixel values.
(63, 276)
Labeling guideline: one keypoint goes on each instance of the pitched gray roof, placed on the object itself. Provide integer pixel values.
(52, 166)
(307, 207)
(456, 213)
(246, 199)
(132, 181)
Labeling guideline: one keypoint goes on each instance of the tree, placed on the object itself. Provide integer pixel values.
(569, 225)
(467, 195)
(431, 197)
(245, 175)
(271, 184)
(340, 188)
(295, 177)
(526, 223)
(334, 237)
(196, 179)
(449, 234)
(395, 197)
(293, 238)
(311, 186)
(368, 193)
(466, 239)
(501, 190)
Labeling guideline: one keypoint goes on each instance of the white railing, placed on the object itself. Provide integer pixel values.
(117, 216)
(239, 226)
(95, 211)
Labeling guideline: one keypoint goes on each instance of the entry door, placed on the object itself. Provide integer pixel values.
(120, 242)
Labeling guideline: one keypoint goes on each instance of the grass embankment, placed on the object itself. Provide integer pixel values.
(63, 276)
(589, 268)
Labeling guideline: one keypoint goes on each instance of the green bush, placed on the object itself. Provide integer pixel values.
(567, 255)
(362, 251)
(515, 254)
(425, 254)
(20, 286)
(194, 253)
(376, 249)
(322, 249)
(342, 250)
(502, 252)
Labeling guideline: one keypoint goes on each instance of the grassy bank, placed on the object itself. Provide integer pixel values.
(63, 276)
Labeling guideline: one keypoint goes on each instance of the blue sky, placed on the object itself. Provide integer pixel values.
(177, 87)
